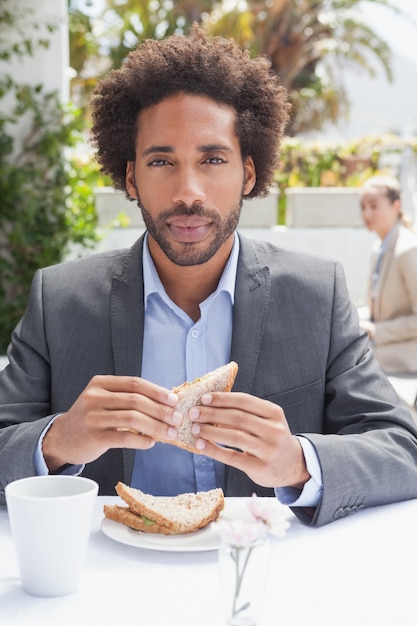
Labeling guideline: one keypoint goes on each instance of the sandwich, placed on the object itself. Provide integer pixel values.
(167, 515)
(190, 394)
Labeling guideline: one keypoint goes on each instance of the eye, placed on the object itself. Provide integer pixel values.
(157, 163)
(215, 160)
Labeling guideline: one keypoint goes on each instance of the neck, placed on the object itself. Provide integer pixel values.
(190, 285)
(384, 234)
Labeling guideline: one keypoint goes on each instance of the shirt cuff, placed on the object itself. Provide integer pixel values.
(41, 469)
(311, 494)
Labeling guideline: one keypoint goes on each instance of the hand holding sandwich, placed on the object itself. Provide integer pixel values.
(128, 412)
(111, 412)
(236, 429)
(249, 434)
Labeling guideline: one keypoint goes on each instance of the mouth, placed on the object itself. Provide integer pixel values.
(189, 229)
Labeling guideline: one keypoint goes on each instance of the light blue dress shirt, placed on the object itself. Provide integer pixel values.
(377, 271)
(175, 348)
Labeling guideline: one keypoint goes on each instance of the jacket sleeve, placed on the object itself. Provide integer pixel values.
(24, 393)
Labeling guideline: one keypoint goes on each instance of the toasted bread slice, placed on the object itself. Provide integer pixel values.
(168, 515)
(125, 516)
(190, 394)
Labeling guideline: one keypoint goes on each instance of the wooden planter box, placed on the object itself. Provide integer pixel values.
(323, 206)
(258, 212)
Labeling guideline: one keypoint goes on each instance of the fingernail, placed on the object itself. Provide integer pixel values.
(200, 444)
(177, 418)
(172, 399)
(172, 432)
(195, 429)
(194, 413)
(207, 398)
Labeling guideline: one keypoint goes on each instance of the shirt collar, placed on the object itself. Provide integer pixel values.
(152, 282)
(389, 236)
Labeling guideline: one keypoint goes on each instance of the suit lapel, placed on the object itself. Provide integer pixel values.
(252, 293)
(251, 303)
(127, 322)
(127, 315)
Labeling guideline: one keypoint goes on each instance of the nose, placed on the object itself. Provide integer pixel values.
(188, 187)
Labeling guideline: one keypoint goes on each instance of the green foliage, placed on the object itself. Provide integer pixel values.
(310, 44)
(46, 205)
(332, 164)
(101, 42)
(21, 44)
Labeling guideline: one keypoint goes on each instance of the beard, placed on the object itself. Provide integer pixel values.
(190, 253)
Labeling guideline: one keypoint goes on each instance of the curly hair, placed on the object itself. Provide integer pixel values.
(217, 68)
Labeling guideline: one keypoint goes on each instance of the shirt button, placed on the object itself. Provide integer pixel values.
(203, 462)
(195, 333)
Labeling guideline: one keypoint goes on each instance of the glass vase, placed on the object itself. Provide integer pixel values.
(243, 576)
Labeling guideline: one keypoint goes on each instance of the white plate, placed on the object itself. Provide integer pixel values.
(201, 541)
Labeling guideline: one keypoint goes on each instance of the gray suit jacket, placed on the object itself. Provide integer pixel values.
(295, 337)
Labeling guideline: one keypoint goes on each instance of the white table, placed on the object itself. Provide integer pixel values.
(358, 571)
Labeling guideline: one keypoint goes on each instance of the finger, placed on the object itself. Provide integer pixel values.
(213, 424)
(131, 431)
(243, 402)
(130, 439)
(135, 409)
(131, 406)
(158, 426)
(135, 385)
(240, 430)
(228, 456)
(239, 420)
(240, 440)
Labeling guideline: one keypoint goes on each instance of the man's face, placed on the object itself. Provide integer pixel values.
(188, 176)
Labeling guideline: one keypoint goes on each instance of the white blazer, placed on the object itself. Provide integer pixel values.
(394, 308)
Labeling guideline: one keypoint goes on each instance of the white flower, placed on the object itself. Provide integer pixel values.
(267, 516)
(260, 508)
(271, 513)
(240, 533)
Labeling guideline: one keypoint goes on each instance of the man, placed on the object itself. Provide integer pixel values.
(187, 128)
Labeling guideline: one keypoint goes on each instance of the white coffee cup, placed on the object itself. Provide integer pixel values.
(50, 519)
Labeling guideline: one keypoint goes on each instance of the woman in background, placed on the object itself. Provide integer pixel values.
(392, 291)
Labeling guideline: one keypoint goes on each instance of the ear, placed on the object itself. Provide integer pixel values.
(397, 205)
(250, 175)
(130, 180)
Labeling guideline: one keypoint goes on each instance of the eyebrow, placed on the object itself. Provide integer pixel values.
(169, 149)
